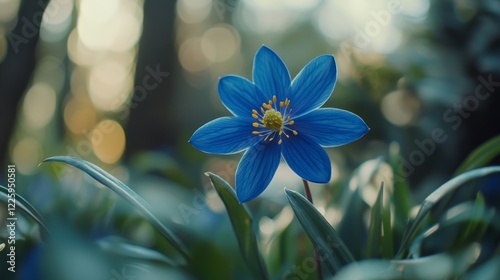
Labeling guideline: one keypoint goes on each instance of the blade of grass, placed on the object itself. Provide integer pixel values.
(128, 194)
(387, 237)
(436, 196)
(401, 198)
(352, 204)
(475, 225)
(122, 248)
(437, 266)
(25, 206)
(241, 221)
(481, 156)
(326, 240)
(375, 229)
(463, 213)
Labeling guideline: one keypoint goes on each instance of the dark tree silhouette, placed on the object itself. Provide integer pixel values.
(17, 67)
(152, 124)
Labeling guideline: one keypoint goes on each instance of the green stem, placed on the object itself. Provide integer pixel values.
(316, 253)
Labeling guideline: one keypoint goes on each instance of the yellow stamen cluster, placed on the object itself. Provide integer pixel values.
(274, 120)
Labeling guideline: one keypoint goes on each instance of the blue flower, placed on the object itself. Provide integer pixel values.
(275, 116)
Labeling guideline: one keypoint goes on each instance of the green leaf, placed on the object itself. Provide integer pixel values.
(331, 249)
(380, 231)
(476, 225)
(241, 221)
(117, 246)
(350, 228)
(488, 270)
(371, 269)
(481, 156)
(401, 197)
(129, 195)
(375, 229)
(436, 196)
(387, 237)
(353, 204)
(466, 212)
(438, 266)
(24, 206)
(280, 256)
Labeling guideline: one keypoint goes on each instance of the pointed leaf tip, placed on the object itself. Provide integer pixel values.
(326, 240)
(129, 195)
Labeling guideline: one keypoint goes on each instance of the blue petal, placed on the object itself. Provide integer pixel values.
(331, 127)
(256, 169)
(240, 96)
(270, 73)
(226, 135)
(313, 85)
(307, 158)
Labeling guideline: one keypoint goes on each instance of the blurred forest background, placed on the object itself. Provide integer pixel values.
(124, 84)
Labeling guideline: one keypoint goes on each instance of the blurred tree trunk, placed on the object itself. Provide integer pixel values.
(17, 67)
(152, 124)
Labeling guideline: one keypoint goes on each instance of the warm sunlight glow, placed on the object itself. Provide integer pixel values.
(79, 114)
(111, 25)
(108, 141)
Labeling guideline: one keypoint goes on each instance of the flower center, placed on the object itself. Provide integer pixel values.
(273, 118)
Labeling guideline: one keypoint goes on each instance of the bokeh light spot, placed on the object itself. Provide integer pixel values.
(219, 43)
(26, 155)
(56, 20)
(191, 56)
(108, 141)
(400, 107)
(39, 105)
(193, 11)
(387, 41)
(262, 16)
(79, 115)
(79, 53)
(109, 25)
(109, 85)
(8, 9)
